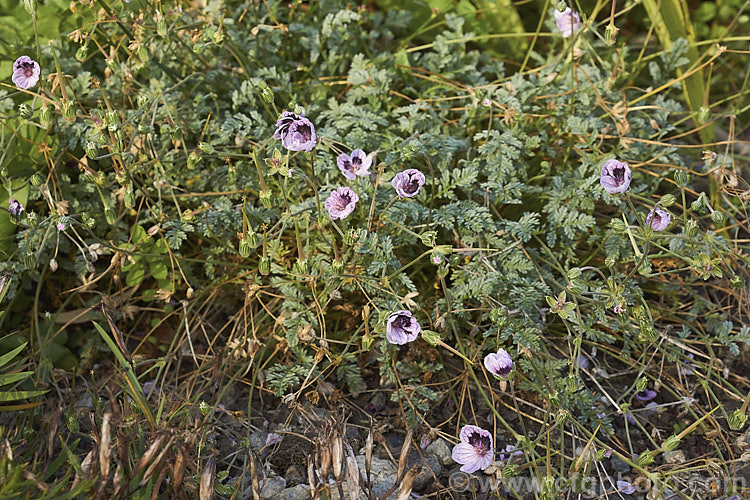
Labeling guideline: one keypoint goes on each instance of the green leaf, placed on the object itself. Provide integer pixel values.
(5, 358)
(16, 395)
(10, 378)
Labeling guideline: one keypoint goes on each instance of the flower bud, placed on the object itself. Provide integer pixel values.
(142, 100)
(261, 85)
(575, 287)
(112, 65)
(645, 458)
(187, 216)
(442, 270)
(511, 470)
(129, 197)
(71, 422)
(498, 316)
(610, 261)
(109, 215)
(31, 219)
(29, 260)
(670, 443)
(571, 383)
(697, 205)
(429, 238)
(617, 225)
(561, 5)
(36, 180)
(574, 273)
(68, 111)
(206, 148)
(265, 198)
(45, 116)
(142, 54)
(351, 237)
(30, 6)
(432, 338)
(717, 217)
(691, 229)
(264, 266)
(25, 111)
(92, 150)
(681, 178)
(367, 341)
(599, 455)
(667, 200)
(267, 95)
(161, 27)
(737, 419)
(87, 221)
(299, 110)
(53, 265)
(647, 333)
(244, 247)
(82, 53)
(193, 159)
(337, 266)
(641, 384)
(703, 114)
(610, 34)
(737, 281)
(562, 416)
(300, 267)
(174, 132)
(205, 408)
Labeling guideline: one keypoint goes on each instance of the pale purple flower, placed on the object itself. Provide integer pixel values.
(630, 418)
(61, 226)
(625, 487)
(487, 102)
(408, 182)
(272, 439)
(26, 72)
(687, 368)
(475, 450)
(15, 208)
(401, 327)
(608, 453)
(358, 164)
(499, 363)
(511, 451)
(567, 21)
(436, 259)
(615, 177)
(646, 395)
(296, 132)
(618, 309)
(658, 219)
(341, 203)
(583, 362)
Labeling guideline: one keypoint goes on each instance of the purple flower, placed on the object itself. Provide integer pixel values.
(272, 439)
(15, 208)
(61, 226)
(687, 368)
(358, 164)
(401, 327)
(618, 309)
(615, 177)
(630, 418)
(646, 395)
(625, 487)
(341, 203)
(475, 450)
(658, 219)
(26, 72)
(583, 362)
(511, 451)
(567, 21)
(408, 182)
(296, 132)
(499, 363)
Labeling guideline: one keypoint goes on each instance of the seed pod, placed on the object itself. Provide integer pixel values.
(681, 178)
(45, 116)
(264, 266)
(691, 229)
(82, 53)
(109, 215)
(717, 217)
(265, 198)
(667, 200)
(68, 111)
(206, 148)
(25, 111)
(29, 260)
(267, 95)
(36, 180)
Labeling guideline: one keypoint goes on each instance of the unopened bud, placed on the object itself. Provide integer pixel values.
(68, 111)
(670, 443)
(681, 178)
(265, 198)
(610, 261)
(571, 383)
(511, 470)
(737, 281)
(29, 260)
(703, 114)
(45, 116)
(30, 6)
(204, 408)
(109, 215)
(717, 217)
(82, 53)
(264, 266)
(299, 110)
(267, 95)
(610, 34)
(645, 458)
(300, 267)
(574, 273)
(193, 159)
(697, 205)
(92, 150)
(641, 384)
(737, 419)
(244, 247)
(142, 100)
(337, 266)
(667, 200)
(617, 225)
(429, 238)
(206, 148)
(691, 229)
(36, 180)
(432, 338)
(562, 416)
(161, 28)
(31, 219)
(129, 197)
(351, 236)
(142, 54)
(25, 111)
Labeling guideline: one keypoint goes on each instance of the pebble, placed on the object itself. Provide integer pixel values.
(619, 465)
(299, 492)
(271, 487)
(674, 457)
(441, 450)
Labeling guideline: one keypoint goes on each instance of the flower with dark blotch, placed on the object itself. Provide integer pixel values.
(358, 164)
(499, 363)
(646, 395)
(475, 450)
(567, 21)
(408, 182)
(15, 208)
(658, 219)
(341, 203)
(26, 72)
(615, 177)
(401, 327)
(296, 132)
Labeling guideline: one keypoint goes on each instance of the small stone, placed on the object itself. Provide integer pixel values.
(661, 493)
(271, 487)
(299, 492)
(258, 440)
(294, 475)
(674, 457)
(619, 465)
(382, 474)
(441, 450)
(431, 469)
